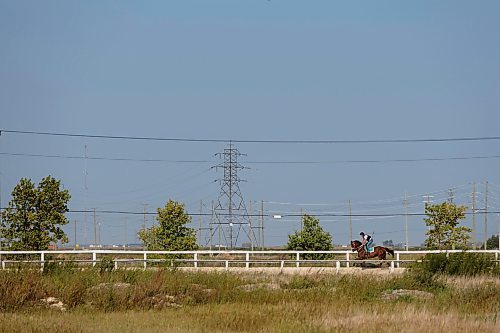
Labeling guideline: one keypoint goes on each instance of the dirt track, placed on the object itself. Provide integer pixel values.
(298, 270)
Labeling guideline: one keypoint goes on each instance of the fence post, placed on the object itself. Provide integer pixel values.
(297, 263)
(42, 259)
(145, 260)
(116, 264)
(347, 257)
(337, 265)
(94, 258)
(195, 260)
(397, 258)
(247, 259)
(281, 265)
(392, 266)
(3, 264)
(227, 265)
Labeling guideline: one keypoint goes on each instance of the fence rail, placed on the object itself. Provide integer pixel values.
(217, 258)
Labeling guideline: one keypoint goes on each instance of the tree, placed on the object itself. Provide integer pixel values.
(492, 242)
(388, 243)
(34, 216)
(311, 238)
(171, 233)
(443, 220)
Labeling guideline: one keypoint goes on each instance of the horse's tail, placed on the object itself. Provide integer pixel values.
(391, 252)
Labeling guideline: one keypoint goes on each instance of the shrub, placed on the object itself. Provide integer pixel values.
(106, 265)
(461, 264)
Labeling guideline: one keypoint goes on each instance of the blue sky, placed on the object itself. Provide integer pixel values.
(253, 70)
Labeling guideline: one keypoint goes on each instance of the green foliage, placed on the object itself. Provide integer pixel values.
(105, 265)
(457, 264)
(443, 220)
(33, 218)
(311, 238)
(492, 242)
(171, 233)
(388, 243)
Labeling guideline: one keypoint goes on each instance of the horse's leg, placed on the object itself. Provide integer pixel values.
(381, 256)
(385, 257)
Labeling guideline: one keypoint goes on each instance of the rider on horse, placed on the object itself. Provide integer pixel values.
(366, 241)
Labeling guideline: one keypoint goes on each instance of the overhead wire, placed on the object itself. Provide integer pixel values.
(157, 160)
(128, 137)
(124, 212)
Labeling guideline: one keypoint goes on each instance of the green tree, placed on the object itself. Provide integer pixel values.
(171, 232)
(312, 237)
(388, 243)
(492, 242)
(445, 232)
(34, 216)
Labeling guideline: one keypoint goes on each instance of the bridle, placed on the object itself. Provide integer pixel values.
(357, 248)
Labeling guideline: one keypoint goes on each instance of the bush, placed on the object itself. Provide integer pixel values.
(460, 264)
(106, 265)
(312, 237)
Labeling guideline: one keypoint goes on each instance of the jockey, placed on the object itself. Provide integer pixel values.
(366, 241)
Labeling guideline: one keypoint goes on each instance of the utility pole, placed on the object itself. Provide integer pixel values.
(427, 201)
(405, 202)
(211, 224)
(95, 230)
(262, 222)
(199, 222)
(302, 219)
(474, 215)
(485, 213)
(350, 221)
(144, 227)
(85, 195)
(250, 222)
(230, 209)
(75, 235)
(451, 196)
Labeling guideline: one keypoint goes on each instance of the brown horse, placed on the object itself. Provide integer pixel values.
(378, 251)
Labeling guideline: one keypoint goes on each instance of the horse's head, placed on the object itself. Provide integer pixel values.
(355, 244)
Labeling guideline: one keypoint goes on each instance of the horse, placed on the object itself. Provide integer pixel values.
(378, 251)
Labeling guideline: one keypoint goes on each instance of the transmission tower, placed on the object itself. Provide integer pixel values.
(231, 215)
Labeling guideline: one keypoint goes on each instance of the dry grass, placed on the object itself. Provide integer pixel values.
(408, 319)
(285, 317)
(179, 301)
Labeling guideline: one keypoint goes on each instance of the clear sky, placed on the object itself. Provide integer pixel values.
(253, 70)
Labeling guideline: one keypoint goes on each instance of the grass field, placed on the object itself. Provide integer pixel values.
(177, 301)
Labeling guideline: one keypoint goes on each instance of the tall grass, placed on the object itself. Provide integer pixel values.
(461, 264)
(177, 301)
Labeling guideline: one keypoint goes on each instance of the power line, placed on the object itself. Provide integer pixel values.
(378, 161)
(105, 158)
(384, 202)
(124, 159)
(122, 212)
(116, 137)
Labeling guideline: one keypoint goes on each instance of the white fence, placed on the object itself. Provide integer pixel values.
(225, 258)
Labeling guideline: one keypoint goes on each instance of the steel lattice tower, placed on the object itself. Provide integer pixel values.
(230, 210)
